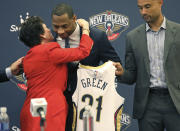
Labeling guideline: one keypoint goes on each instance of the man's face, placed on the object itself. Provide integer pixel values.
(150, 10)
(63, 25)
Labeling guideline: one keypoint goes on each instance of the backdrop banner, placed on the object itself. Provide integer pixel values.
(115, 17)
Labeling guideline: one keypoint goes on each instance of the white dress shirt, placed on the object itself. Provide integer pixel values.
(155, 43)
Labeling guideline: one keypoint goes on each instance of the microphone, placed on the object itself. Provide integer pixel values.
(41, 113)
(87, 119)
(38, 107)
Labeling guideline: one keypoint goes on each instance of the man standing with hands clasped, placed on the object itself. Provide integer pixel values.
(68, 33)
(152, 62)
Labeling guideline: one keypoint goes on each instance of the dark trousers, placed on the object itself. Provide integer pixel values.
(71, 87)
(160, 113)
(69, 119)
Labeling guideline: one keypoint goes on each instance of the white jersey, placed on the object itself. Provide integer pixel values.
(96, 88)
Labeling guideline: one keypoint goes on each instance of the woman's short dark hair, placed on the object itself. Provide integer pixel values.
(30, 31)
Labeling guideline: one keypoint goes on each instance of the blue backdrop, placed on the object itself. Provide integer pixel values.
(11, 48)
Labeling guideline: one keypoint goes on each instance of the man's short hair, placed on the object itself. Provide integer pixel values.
(61, 9)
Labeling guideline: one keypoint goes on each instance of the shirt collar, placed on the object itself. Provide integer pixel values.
(76, 32)
(163, 25)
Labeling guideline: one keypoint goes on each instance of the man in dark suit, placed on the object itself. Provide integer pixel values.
(152, 62)
(65, 26)
(14, 69)
(3, 76)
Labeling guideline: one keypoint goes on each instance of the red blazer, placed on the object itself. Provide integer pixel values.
(46, 73)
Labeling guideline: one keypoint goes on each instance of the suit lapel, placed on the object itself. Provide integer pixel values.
(80, 32)
(169, 36)
(143, 45)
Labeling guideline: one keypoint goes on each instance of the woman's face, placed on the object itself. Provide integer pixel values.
(47, 36)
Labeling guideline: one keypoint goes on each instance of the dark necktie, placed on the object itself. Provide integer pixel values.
(72, 67)
(67, 43)
(68, 64)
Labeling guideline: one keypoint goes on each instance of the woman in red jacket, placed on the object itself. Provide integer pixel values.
(46, 72)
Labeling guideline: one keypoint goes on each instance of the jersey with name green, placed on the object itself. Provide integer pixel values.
(96, 88)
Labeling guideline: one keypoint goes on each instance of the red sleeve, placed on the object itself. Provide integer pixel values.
(64, 55)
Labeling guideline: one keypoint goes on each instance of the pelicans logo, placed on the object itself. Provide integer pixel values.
(111, 22)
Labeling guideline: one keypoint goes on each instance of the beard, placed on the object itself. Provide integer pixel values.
(151, 19)
(147, 18)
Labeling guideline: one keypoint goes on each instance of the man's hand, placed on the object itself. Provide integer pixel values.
(119, 69)
(16, 67)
